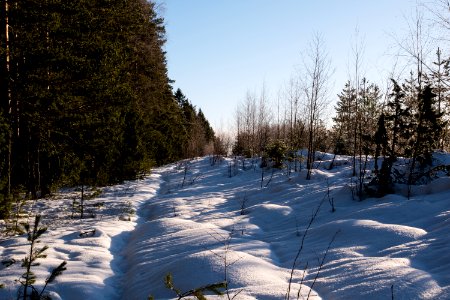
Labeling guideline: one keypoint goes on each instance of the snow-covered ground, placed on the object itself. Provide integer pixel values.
(213, 227)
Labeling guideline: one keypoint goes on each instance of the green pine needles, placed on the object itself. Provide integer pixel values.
(198, 293)
(27, 280)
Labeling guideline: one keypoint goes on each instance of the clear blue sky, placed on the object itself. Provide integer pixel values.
(217, 50)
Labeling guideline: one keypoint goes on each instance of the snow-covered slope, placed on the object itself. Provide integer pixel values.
(91, 246)
(214, 227)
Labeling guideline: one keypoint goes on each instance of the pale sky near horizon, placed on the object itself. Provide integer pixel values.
(217, 50)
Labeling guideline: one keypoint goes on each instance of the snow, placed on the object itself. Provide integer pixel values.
(209, 227)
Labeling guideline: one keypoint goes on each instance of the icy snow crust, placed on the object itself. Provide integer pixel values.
(212, 221)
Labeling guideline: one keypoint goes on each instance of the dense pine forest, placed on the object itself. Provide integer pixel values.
(85, 96)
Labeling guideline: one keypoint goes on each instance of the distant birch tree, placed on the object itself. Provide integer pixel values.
(358, 51)
(264, 117)
(315, 81)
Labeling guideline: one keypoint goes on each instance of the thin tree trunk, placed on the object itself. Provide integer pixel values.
(310, 159)
(5, 89)
(82, 202)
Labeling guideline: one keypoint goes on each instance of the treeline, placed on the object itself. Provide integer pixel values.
(409, 119)
(85, 96)
(199, 133)
(295, 119)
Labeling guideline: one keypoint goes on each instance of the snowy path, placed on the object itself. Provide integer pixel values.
(381, 242)
(185, 234)
(193, 230)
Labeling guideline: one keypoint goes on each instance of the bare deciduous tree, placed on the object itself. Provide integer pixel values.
(253, 121)
(358, 51)
(315, 81)
(416, 45)
(292, 104)
(264, 117)
(440, 10)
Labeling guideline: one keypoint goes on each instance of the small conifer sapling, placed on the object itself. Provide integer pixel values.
(27, 290)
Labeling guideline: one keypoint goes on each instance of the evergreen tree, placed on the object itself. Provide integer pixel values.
(344, 119)
(398, 119)
(392, 135)
(439, 79)
(381, 140)
(383, 180)
(84, 99)
(197, 130)
(429, 128)
(370, 109)
(209, 132)
(354, 129)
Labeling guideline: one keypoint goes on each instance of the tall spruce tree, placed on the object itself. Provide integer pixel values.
(439, 79)
(428, 129)
(370, 110)
(348, 118)
(198, 132)
(85, 95)
(394, 125)
(344, 119)
(398, 123)
(209, 132)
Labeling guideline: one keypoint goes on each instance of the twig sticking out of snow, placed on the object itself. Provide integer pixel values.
(226, 241)
(197, 292)
(297, 256)
(322, 263)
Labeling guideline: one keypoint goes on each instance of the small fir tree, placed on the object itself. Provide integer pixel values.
(345, 118)
(28, 291)
(398, 122)
(276, 151)
(427, 133)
